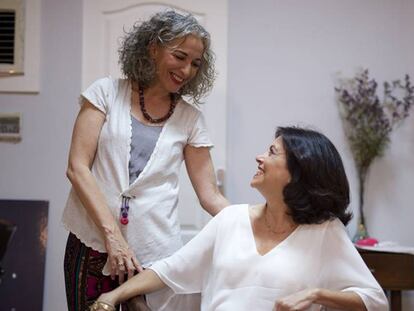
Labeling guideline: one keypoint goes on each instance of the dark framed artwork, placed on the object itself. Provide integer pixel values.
(23, 238)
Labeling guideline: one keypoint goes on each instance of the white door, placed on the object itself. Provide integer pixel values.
(104, 22)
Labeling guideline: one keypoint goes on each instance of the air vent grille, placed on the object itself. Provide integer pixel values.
(7, 34)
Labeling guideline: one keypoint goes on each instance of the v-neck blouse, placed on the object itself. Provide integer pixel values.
(153, 231)
(223, 264)
(280, 244)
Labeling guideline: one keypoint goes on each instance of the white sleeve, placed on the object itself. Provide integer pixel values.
(344, 269)
(186, 271)
(100, 94)
(198, 134)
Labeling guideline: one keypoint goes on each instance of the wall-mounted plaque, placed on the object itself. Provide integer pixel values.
(10, 127)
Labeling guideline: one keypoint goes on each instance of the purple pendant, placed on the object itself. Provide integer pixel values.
(123, 219)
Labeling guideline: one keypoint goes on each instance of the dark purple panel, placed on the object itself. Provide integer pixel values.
(24, 260)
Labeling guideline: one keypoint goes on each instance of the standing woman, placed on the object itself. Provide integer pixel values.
(128, 143)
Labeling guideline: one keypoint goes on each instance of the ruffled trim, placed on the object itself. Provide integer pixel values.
(203, 145)
(129, 140)
(94, 246)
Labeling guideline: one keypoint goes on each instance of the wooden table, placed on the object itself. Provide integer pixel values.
(393, 271)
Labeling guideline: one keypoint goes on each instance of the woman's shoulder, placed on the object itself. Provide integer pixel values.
(255, 210)
(235, 208)
(335, 224)
(329, 228)
(231, 211)
(188, 108)
(109, 83)
(103, 82)
(330, 224)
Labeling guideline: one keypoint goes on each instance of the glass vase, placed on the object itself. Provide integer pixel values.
(361, 233)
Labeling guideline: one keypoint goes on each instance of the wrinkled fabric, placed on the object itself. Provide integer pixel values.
(223, 264)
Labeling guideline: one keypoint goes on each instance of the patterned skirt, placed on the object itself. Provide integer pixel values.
(83, 275)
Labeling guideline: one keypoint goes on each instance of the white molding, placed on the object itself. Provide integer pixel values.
(29, 82)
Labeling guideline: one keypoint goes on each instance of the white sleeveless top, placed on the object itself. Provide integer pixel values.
(153, 231)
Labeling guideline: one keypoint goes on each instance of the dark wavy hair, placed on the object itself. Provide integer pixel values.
(161, 29)
(318, 189)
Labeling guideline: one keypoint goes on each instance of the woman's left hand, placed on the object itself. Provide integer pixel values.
(105, 302)
(299, 301)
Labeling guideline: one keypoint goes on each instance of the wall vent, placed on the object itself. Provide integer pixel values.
(7, 34)
(11, 37)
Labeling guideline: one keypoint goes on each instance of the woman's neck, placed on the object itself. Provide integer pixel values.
(276, 211)
(155, 93)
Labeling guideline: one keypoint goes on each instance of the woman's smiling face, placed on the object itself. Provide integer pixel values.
(272, 172)
(178, 62)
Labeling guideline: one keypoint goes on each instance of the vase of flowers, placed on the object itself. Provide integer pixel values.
(369, 121)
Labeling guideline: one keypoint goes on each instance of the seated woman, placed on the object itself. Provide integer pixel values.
(290, 253)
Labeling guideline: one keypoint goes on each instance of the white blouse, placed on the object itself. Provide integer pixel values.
(153, 231)
(223, 264)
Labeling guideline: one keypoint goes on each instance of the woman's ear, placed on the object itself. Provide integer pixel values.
(153, 50)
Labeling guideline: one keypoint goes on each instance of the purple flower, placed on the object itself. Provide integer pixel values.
(367, 120)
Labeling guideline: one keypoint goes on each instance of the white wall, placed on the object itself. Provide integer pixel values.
(35, 168)
(283, 56)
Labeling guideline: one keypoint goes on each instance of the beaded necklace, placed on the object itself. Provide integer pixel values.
(145, 113)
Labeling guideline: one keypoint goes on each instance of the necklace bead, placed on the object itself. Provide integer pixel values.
(146, 114)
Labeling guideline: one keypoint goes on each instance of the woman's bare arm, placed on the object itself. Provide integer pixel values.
(83, 148)
(143, 283)
(201, 172)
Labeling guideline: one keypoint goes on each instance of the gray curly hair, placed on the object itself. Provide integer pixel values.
(162, 28)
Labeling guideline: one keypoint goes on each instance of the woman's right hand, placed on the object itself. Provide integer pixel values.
(121, 258)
